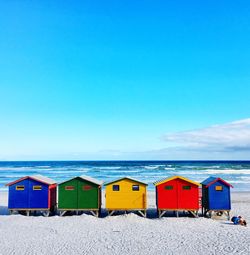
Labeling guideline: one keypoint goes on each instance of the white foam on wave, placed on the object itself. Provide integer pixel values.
(212, 167)
(12, 176)
(246, 178)
(188, 167)
(108, 167)
(68, 171)
(6, 168)
(150, 167)
(85, 168)
(152, 175)
(128, 171)
(200, 167)
(228, 171)
(190, 172)
(42, 166)
(236, 182)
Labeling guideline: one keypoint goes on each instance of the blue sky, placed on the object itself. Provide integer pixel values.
(124, 79)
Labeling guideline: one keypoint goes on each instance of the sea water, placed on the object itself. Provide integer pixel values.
(236, 173)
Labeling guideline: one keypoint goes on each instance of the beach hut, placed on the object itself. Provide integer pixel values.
(177, 194)
(126, 194)
(32, 193)
(216, 197)
(81, 193)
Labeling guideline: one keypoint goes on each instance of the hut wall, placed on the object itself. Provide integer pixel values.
(219, 199)
(88, 197)
(78, 194)
(178, 194)
(188, 195)
(38, 194)
(126, 197)
(205, 197)
(67, 195)
(167, 195)
(52, 195)
(19, 195)
(28, 194)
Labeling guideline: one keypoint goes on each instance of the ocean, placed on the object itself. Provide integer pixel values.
(235, 172)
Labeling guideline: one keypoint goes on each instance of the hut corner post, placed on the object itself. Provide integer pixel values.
(95, 213)
(46, 213)
(61, 213)
(161, 213)
(194, 213)
(143, 213)
(110, 213)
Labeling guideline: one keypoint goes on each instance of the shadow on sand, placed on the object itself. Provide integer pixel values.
(151, 213)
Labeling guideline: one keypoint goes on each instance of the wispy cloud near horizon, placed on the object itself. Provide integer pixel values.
(229, 141)
(233, 136)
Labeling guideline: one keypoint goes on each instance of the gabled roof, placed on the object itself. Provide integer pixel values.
(37, 177)
(86, 178)
(208, 180)
(211, 180)
(173, 178)
(129, 178)
(91, 179)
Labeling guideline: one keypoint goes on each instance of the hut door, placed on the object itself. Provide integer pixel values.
(68, 195)
(38, 194)
(19, 195)
(168, 195)
(87, 196)
(219, 196)
(187, 195)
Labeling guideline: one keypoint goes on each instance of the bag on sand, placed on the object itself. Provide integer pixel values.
(235, 219)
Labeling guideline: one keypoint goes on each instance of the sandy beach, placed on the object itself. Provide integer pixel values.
(124, 234)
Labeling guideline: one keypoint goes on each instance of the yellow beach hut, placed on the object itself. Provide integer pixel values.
(126, 194)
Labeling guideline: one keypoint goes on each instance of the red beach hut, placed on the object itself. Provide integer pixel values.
(177, 194)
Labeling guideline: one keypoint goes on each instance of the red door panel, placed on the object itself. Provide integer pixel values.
(167, 195)
(188, 197)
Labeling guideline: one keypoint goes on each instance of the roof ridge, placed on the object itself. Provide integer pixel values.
(125, 177)
(156, 183)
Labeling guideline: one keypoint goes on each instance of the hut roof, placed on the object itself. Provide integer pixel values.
(211, 180)
(129, 178)
(173, 178)
(86, 178)
(36, 177)
(91, 179)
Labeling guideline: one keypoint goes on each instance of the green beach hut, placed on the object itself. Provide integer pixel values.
(82, 193)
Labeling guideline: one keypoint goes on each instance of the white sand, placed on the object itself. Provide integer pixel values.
(124, 234)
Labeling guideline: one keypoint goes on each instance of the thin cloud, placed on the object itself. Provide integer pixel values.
(233, 136)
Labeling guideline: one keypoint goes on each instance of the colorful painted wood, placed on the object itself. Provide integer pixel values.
(81, 193)
(126, 194)
(32, 193)
(177, 194)
(216, 197)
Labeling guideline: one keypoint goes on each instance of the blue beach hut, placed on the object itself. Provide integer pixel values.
(216, 197)
(32, 193)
